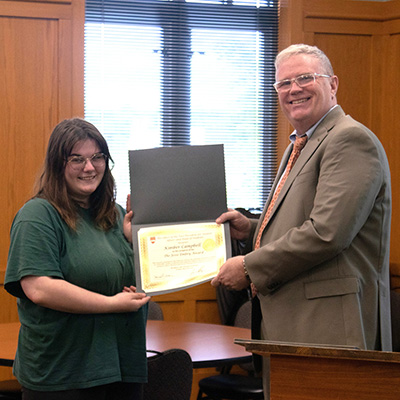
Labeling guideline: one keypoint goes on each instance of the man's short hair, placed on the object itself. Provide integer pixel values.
(298, 49)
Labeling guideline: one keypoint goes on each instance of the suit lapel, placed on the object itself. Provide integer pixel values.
(281, 170)
(311, 147)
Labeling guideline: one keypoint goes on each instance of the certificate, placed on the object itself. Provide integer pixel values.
(177, 256)
(176, 194)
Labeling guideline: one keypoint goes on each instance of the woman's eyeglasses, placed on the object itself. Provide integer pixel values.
(98, 160)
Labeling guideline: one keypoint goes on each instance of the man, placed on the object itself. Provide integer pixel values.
(320, 266)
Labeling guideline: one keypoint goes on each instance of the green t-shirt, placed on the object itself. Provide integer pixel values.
(58, 350)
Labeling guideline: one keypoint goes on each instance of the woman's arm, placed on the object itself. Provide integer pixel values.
(60, 295)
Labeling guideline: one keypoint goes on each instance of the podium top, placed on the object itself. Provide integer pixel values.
(267, 348)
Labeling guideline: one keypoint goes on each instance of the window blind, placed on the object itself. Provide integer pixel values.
(167, 73)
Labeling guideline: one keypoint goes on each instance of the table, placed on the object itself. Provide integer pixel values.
(209, 345)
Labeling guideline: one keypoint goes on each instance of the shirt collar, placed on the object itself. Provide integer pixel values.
(309, 133)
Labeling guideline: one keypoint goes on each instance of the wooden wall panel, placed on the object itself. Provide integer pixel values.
(361, 38)
(207, 311)
(353, 67)
(30, 88)
(8, 309)
(41, 83)
(197, 304)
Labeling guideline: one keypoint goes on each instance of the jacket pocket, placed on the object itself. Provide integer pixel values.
(331, 287)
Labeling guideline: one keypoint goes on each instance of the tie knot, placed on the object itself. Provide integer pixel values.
(300, 142)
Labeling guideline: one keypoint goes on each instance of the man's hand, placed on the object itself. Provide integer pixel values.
(127, 224)
(231, 275)
(128, 203)
(240, 225)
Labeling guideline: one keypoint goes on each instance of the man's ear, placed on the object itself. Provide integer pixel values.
(334, 85)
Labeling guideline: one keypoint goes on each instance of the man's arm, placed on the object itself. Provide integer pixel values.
(349, 178)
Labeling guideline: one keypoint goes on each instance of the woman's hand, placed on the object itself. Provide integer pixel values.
(128, 301)
(60, 295)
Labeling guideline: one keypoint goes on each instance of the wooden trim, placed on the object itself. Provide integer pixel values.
(346, 26)
(350, 17)
(352, 10)
(35, 10)
(47, 1)
(78, 59)
(290, 31)
(392, 27)
(65, 84)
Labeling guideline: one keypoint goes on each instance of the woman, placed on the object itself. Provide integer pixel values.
(70, 265)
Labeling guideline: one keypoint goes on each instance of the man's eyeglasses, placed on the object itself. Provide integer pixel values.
(301, 81)
(98, 160)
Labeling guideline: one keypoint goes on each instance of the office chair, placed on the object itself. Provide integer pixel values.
(234, 386)
(155, 311)
(170, 375)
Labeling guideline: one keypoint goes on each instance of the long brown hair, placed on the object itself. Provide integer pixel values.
(52, 186)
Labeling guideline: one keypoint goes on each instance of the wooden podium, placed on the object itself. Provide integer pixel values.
(314, 372)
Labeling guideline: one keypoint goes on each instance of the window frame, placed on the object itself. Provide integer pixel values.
(180, 16)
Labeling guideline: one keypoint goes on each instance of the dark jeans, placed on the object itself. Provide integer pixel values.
(112, 391)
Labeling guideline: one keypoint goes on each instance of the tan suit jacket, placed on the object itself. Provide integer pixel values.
(322, 272)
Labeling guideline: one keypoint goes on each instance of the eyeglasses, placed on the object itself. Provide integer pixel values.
(301, 81)
(98, 160)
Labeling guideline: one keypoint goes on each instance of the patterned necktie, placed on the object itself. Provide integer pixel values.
(298, 146)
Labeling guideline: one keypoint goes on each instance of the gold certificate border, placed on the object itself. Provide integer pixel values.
(144, 237)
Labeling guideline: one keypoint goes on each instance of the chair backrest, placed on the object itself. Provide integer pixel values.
(243, 320)
(243, 316)
(170, 375)
(155, 312)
